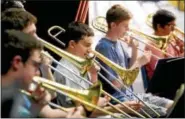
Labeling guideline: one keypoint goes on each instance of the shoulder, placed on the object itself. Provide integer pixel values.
(65, 63)
(121, 43)
(68, 65)
(103, 44)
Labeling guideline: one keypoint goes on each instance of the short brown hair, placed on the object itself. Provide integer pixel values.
(76, 31)
(16, 18)
(15, 42)
(162, 17)
(117, 13)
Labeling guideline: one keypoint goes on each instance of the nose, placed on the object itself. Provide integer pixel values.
(90, 48)
(36, 36)
(173, 28)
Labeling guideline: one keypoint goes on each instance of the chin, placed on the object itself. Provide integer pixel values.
(121, 35)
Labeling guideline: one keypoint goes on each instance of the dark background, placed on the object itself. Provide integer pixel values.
(52, 12)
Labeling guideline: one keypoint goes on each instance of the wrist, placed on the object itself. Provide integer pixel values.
(134, 46)
(94, 78)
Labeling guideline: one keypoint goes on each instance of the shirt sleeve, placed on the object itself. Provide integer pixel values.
(107, 52)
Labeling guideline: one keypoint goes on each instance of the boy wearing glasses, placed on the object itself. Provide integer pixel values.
(163, 23)
(19, 19)
(19, 65)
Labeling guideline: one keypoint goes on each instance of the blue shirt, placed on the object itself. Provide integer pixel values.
(115, 52)
(24, 110)
(14, 103)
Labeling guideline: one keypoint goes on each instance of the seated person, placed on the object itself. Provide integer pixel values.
(118, 19)
(163, 22)
(78, 41)
(19, 19)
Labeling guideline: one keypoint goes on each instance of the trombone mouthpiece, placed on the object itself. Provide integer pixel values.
(90, 56)
(128, 33)
(32, 87)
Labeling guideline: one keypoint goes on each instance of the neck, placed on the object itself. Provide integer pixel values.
(111, 36)
(69, 50)
(7, 79)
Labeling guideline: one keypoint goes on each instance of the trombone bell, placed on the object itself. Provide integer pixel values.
(90, 95)
(128, 76)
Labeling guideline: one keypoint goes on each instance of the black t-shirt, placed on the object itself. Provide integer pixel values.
(6, 107)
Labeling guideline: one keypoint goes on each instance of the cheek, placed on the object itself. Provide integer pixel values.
(168, 29)
(121, 30)
(81, 50)
(29, 73)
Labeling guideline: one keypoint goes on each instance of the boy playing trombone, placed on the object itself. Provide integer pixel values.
(118, 20)
(19, 19)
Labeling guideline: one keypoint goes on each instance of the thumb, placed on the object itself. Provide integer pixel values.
(107, 97)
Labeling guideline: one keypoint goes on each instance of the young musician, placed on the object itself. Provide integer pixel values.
(20, 63)
(78, 41)
(19, 19)
(163, 22)
(118, 20)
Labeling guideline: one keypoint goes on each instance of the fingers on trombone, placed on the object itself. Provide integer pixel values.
(107, 97)
(41, 95)
(46, 58)
(46, 53)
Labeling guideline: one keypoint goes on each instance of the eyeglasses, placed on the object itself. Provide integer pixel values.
(171, 25)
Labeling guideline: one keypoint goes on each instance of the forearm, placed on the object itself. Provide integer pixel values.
(94, 78)
(50, 77)
(48, 112)
(133, 56)
(97, 113)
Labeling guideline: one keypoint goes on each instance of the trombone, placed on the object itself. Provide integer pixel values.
(159, 42)
(104, 78)
(75, 60)
(177, 34)
(103, 92)
(49, 103)
(81, 63)
(126, 74)
(87, 97)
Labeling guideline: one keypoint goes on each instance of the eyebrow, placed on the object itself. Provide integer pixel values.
(33, 31)
(37, 62)
(171, 23)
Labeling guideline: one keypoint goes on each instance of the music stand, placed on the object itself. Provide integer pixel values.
(177, 109)
(168, 76)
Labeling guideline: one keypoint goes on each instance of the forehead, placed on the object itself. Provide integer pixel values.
(172, 22)
(87, 39)
(30, 28)
(125, 22)
(35, 55)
